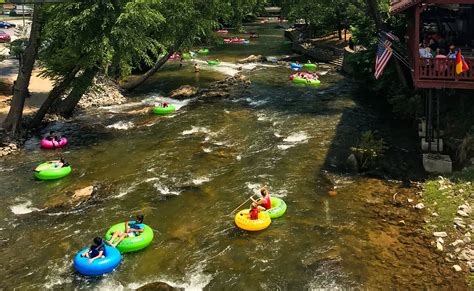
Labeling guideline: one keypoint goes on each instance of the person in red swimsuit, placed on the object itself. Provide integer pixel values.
(253, 212)
(263, 203)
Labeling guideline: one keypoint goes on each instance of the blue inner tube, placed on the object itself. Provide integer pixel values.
(296, 66)
(98, 266)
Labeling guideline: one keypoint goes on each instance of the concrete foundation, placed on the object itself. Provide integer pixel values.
(434, 145)
(437, 164)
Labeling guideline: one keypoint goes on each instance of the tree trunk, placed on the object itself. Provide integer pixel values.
(67, 106)
(13, 121)
(373, 8)
(135, 83)
(57, 91)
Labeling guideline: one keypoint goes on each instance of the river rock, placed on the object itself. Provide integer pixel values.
(457, 242)
(83, 194)
(466, 208)
(184, 92)
(440, 234)
(159, 286)
(439, 247)
(440, 240)
(252, 59)
(419, 206)
(103, 92)
(457, 268)
(71, 199)
(462, 213)
(352, 165)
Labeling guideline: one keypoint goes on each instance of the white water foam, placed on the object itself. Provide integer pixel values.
(164, 190)
(178, 104)
(121, 125)
(293, 140)
(207, 150)
(195, 129)
(23, 208)
(201, 180)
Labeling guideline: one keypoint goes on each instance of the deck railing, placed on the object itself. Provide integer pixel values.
(444, 70)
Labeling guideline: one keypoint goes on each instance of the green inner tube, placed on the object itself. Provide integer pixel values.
(304, 81)
(53, 173)
(278, 208)
(187, 56)
(213, 63)
(164, 110)
(311, 66)
(134, 243)
(203, 52)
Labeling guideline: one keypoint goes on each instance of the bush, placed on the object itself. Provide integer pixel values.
(17, 47)
(368, 150)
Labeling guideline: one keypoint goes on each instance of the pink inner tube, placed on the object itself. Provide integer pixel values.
(47, 144)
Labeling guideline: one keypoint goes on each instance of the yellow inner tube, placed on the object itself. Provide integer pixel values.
(244, 221)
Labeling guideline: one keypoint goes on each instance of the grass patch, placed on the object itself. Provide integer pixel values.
(444, 195)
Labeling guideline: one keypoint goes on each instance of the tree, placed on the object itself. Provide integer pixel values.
(13, 122)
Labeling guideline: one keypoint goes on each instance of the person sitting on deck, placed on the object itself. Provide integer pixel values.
(253, 212)
(132, 228)
(452, 52)
(263, 203)
(440, 60)
(96, 251)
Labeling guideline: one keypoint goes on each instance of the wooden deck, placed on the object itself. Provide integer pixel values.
(441, 73)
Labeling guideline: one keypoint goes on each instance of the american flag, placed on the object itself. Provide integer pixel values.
(384, 52)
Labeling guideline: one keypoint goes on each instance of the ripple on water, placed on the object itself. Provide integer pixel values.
(195, 129)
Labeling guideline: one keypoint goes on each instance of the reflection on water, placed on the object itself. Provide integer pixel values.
(185, 173)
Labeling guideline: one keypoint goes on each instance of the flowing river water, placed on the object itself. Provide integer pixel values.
(188, 171)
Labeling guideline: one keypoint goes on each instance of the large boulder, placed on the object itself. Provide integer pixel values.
(252, 59)
(159, 286)
(184, 92)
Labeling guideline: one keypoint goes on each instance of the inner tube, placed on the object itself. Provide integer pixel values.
(203, 52)
(278, 208)
(48, 144)
(254, 36)
(311, 66)
(98, 266)
(246, 42)
(244, 222)
(187, 56)
(164, 110)
(305, 81)
(134, 243)
(213, 63)
(296, 66)
(52, 173)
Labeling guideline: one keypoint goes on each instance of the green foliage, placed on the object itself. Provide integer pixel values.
(368, 150)
(17, 47)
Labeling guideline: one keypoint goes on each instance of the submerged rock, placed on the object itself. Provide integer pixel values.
(71, 199)
(184, 92)
(252, 59)
(159, 286)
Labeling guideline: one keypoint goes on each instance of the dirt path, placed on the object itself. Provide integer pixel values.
(39, 88)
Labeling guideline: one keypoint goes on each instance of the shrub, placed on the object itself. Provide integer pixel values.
(368, 150)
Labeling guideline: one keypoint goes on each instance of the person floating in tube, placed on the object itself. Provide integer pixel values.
(96, 251)
(264, 202)
(132, 228)
(253, 212)
(53, 136)
(61, 163)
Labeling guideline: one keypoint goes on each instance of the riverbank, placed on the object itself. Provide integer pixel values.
(407, 223)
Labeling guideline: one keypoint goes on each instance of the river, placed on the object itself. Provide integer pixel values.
(186, 173)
